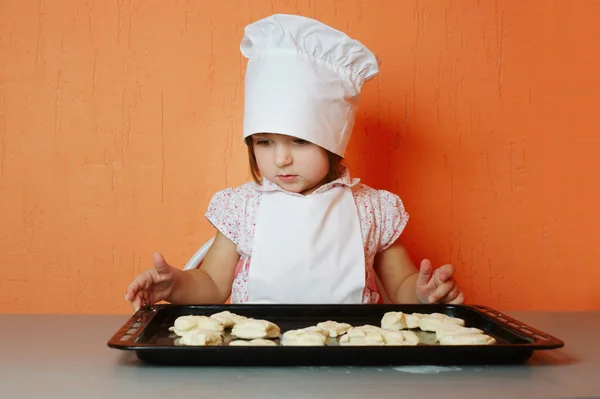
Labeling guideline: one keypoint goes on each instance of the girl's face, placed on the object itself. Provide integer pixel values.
(294, 164)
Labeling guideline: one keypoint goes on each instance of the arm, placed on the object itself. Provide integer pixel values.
(397, 274)
(211, 283)
(405, 284)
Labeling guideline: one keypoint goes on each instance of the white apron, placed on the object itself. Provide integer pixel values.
(307, 249)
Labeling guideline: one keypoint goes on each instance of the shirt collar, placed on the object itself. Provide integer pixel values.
(344, 180)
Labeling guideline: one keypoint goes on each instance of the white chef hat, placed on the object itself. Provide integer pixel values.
(303, 79)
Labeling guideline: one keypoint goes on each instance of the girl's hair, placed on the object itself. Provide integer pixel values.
(335, 164)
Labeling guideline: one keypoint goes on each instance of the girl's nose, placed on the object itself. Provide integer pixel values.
(282, 156)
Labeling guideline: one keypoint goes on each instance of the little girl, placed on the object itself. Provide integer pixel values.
(304, 231)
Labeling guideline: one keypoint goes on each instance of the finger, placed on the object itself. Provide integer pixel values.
(134, 287)
(444, 273)
(140, 283)
(459, 300)
(441, 291)
(449, 297)
(160, 265)
(136, 303)
(425, 272)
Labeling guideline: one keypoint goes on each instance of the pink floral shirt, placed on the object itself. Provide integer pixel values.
(381, 215)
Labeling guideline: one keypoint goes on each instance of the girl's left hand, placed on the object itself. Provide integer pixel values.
(438, 286)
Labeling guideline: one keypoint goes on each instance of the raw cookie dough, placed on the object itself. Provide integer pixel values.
(366, 335)
(303, 337)
(316, 329)
(433, 321)
(228, 319)
(363, 330)
(254, 342)
(198, 337)
(184, 324)
(412, 319)
(334, 328)
(394, 338)
(253, 328)
(454, 329)
(367, 339)
(393, 321)
(467, 339)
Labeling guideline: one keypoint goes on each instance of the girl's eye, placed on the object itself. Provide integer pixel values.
(263, 142)
(300, 141)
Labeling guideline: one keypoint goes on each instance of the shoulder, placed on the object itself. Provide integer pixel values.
(230, 209)
(234, 202)
(382, 207)
(365, 195)
(383, 212)
(242, 193)
(247, 189)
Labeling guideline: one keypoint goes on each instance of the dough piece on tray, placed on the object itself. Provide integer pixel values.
(400, 338)
(334, 328)
(184, 324)
(393, 321)
(316, 329)
(303, 337)
(412, 319)
(197, 337)
(411, 338)
(467, 339)
(254, 342)
(433, 321)
(366, 339)
(454, 329)
(362, 330)
(228, 319)
(254, 328)
(366, 335)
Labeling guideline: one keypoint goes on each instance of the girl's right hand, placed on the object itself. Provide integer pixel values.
(153, 285)
(438, 286)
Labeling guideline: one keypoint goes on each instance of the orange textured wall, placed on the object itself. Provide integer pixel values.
(120, 119)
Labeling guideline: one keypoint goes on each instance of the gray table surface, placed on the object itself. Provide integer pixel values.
(65, 356)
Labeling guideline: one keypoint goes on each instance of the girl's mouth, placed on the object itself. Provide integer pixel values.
(287, 178)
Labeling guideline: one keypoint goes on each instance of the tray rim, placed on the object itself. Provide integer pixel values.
(144, 316)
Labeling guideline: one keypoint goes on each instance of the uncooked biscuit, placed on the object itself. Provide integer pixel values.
(412, 319)
(393, 337)
(254, 342)
(454, 320)
(407, 338)
(183, 324)
(334, 328)
(316, 329)
(228, 319)
(363, 330)
(454, 329)
(198, 337)
(366, 335)
(434, 321)
(393, 321)
(368, 339)
(467, 339)
(253, 328)
(303, 337)
(411, 338)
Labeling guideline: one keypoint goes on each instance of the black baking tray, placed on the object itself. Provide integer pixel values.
(146, 333)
